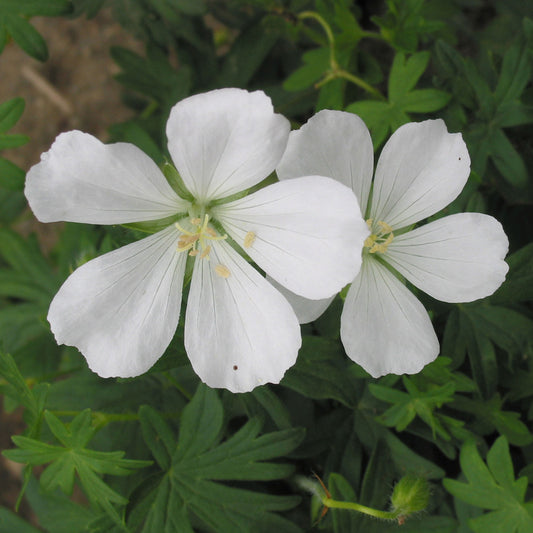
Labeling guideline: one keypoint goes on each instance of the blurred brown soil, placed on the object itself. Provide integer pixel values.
(74, 89)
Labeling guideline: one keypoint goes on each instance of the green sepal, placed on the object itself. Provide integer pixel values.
(176, 182)
(153, 226)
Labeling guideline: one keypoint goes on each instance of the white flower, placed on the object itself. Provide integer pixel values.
(458, 258)
(122, 309)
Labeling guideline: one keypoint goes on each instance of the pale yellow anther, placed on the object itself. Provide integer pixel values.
(195, 240)
(249, 239)
(222, 271)
(370, 240)
(385, 228)
(379, 241)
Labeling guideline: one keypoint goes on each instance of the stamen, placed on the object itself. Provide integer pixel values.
(249, 239)
(195, 241)
(222, 271)
(385, 228)
(379, 241)
(370, 240)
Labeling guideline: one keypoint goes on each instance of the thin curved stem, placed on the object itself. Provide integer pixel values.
(352, 506)
(329, 34)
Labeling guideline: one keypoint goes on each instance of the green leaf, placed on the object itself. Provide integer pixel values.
(320, 372)
(74, 458)
(26, 36)
(17, 388)
(152, 75)
(10, 112)
(246, 55)
(518, 285)
(55, 512)
(493, 487)
(9, 521)
(515, 72)
(189, 487)
(157, 435)
(383, 117)
(405, 73)
(30, 8)
(507, 160)
(316, 63)
(12, 141)
(11, 176)
(413, 403)
(425, 101)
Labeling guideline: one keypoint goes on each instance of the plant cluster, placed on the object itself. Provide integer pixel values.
(328, 448)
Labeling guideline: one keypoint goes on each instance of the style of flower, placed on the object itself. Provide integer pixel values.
(122, 309)
(457, 258)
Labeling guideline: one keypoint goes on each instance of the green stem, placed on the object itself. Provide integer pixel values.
(340, 73)
(352, 506)
(327, 30)
(334, 71)
(178, 386)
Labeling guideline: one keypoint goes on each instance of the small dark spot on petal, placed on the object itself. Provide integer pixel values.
(235, 367)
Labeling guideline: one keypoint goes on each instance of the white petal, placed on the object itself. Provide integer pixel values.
(335, 144)
(458, 258)
(121, 309)
(384, 328)
(308, 233)
(306, 310)
(81, 179)
(240, 332)
(225, 141)
(422, 168)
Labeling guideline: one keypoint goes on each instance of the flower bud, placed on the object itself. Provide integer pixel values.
(410, 495)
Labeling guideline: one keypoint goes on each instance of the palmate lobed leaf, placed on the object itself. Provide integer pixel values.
(493, 486)
(383, 117)
(73, 459)
(188, 486)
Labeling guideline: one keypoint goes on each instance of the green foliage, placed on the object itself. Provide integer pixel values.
(406, 406)
(14, 16)
(493, 486)
(74, 458)
(210, 461)
(384, 117)
(11, 176)
(191, 468)
(488, 103)
(404, 24)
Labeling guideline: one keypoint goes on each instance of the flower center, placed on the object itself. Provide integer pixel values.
(381, 236)
(197, 240)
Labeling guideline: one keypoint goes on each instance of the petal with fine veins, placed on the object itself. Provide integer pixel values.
(81, 179)
(225, 141)
(306, 233)
(335, 144)
(422, 168)
(458, 258)
(384, 328)
(121, 309)
(306, 310)
(240, 332)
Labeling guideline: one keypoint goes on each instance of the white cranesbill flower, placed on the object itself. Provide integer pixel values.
(458, 258)
(121, 310)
